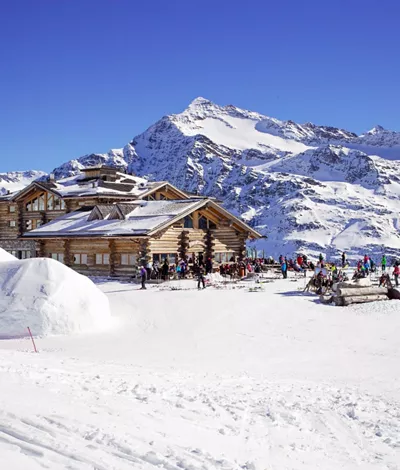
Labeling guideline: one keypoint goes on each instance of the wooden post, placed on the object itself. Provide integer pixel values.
(113, 256)
(145, 251)
(41, 248)
(67, 206)
(209, 242)
(21, 228)
(184, 244)
(242, 248)
(67, 252)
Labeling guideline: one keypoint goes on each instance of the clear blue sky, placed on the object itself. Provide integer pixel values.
(83, 76)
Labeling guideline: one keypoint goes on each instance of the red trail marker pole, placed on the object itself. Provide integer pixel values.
(33, 341)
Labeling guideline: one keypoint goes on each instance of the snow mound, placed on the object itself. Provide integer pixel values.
(5, 256)
(50, 298)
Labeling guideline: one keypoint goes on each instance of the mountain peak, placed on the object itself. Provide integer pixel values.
(200, 102)
(376, 130)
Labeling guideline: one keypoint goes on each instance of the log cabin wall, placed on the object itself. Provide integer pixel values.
(95, 257)
(10, 231)
(226, 238)
(168, 242)
(8, 220)
(127, 256)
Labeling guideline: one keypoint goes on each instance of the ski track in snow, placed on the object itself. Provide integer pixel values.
(61, 409)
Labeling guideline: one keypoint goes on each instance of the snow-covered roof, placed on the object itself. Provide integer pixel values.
(79, 186)
(144, 218)
(141, 220)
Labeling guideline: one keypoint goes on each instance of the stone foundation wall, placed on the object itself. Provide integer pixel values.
(18, 244)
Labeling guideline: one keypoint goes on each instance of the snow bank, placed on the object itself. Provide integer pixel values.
(214, 277)
(5, 256)
(50, 298)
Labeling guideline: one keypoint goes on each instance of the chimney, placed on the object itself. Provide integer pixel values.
(52, 177)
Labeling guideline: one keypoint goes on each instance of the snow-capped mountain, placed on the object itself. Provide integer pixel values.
(16, 180)
(306, 187)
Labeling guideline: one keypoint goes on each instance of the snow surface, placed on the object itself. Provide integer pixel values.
(48, 297)
(5, 256)
(221, 379)
(16, 180)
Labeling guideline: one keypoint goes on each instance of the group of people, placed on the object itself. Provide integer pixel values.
(199, 268)
(300, 264)
(333, 271)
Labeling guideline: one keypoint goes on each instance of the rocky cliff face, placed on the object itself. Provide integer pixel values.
(16, 180)
(306, 187)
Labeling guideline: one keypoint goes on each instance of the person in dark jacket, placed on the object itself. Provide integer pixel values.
(200, 277)
(396, 274)
(143, 276)
(284, 270)
(201, 259)
(165, 270)
(209, 266)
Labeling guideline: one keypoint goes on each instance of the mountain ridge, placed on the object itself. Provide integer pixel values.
(307, 187)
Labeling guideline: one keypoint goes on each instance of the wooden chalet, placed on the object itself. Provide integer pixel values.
(105, 222)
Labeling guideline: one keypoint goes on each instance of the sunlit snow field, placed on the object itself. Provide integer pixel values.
(217, 379)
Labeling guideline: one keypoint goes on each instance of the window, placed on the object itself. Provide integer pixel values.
(188, 221)
(50, 202)
(23, 254)
(41, 202)
(102, 258)
(57, 256)
(128, 260)
(38, 203)
(80, 258)
(32, 224)
(57, 204)
(224, 257)
(13, 223)
(11, 208)
(170, 257)
(205, 223)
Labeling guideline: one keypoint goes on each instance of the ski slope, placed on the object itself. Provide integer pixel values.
(218, 379)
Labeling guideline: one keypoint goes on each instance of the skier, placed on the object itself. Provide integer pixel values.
(396, 273)
(182, 271)
(280, 259)
(384, 262)
(165, 270)
(201, 259)
(321, 258)
(284, 270)
(200, 277)
(343, 259)
(373, 266)
(367, 266)
(143, 276)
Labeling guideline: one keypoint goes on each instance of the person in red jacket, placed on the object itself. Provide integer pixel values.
(396, 273)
